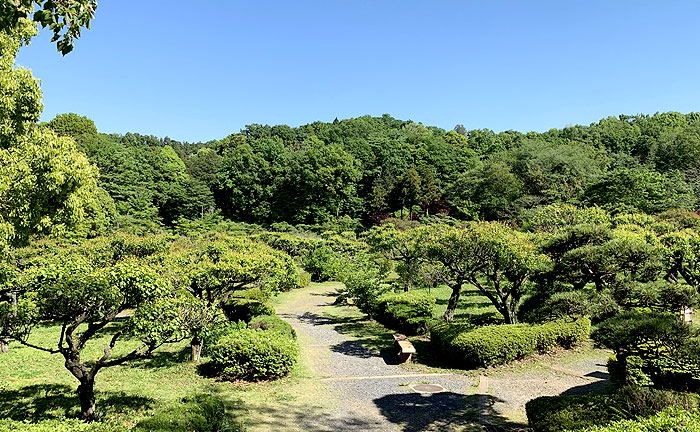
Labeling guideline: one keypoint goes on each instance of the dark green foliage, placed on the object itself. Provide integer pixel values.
(559, 413)
(272, 323)
(241, 309)
(499, 344)
(409, 312)
(200, 413)
(254, 355)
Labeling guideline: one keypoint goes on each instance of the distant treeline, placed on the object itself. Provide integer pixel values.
(371, 167)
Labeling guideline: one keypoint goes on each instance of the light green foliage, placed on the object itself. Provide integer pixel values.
(555, 217)
(254, 354)
(46, 186)
(499, 344)
(406, 248)
(20, 96)
(65, 19)
(272, 323)
(66, 425)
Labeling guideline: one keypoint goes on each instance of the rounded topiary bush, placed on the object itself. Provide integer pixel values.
(254, 354)
(243, 309)
(272, 323)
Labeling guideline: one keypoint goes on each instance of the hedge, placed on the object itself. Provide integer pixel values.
(668, 420)
(242, 309)
(558, 413)
(499, 344)
(409, 312)
(254, 354)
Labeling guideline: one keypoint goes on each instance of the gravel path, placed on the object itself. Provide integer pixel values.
(374, 393)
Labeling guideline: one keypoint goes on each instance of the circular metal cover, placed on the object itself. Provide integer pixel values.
(427, 388)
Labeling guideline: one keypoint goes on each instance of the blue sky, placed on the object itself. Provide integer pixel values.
(201, 72)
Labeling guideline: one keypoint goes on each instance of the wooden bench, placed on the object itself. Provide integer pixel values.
(404, 347)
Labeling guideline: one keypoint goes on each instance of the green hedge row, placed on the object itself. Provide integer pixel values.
(499, 344)
(409, 312)
(559, 413)
(668, 420)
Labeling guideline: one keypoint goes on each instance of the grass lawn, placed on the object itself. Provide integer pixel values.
(36, 386)
(471, 302)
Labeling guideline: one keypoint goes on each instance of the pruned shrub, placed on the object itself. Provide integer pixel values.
(409, 312)
(240, 309)
(254, 355)
(668, 420)
(272, 323)
(559, 413)
(499, 344)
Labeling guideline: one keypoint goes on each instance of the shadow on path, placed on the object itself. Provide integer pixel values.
(445, 411)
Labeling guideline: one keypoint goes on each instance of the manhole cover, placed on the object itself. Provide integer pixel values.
(427, 388)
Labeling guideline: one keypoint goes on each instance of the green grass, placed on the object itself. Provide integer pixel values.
(471, 302)
(36, 386)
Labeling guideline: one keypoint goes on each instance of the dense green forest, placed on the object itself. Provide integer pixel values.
(369, 168)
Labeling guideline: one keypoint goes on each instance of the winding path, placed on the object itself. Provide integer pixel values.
(373, 393)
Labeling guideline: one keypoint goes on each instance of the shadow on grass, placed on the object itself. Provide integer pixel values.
(49, 401)
(415, 412)
(162, 359)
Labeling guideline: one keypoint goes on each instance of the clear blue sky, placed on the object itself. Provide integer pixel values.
(201, 70)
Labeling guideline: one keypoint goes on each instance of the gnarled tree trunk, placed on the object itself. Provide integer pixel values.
(196, 348)
(4, 345)
(86, 392)
(449, 314)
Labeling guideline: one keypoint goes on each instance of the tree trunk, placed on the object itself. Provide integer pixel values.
(452, 303)
(4, 345)
(196, 348)
(86, 392)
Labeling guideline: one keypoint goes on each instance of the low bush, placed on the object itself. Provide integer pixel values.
(241, 309)
(254, 355)
(668, 420)
(499, 344)
(409, 312)
(272, 323)
(200, 413)
(558, 413)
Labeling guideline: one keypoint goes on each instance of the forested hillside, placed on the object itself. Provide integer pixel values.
(370, 167)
